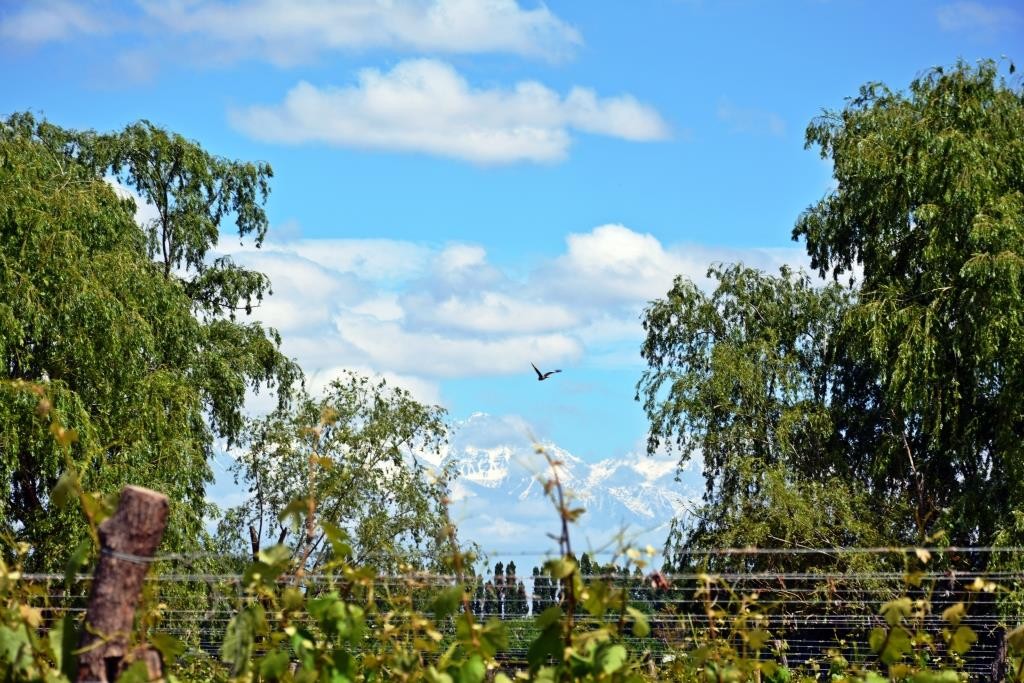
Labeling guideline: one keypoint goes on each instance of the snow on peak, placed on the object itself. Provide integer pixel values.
(499, 492)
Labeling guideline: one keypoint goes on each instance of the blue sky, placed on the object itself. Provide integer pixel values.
(462, 187)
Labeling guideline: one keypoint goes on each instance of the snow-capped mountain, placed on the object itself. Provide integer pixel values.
(500, 504)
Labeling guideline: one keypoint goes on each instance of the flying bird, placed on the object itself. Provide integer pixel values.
(541, 376)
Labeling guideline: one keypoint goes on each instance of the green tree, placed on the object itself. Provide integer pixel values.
(520, 603)
(144, 382)
(750, 379)
(586, 565)
(537, 594)
(887, 410)
(356, 454)
(929, 207)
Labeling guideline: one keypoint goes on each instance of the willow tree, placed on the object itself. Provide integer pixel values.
(745, 380)
(143, 361)
(929, 208)
(888, 408)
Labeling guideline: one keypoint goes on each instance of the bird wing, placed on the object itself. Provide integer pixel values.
(537, 371)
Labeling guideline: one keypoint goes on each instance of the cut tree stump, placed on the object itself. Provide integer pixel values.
(128, 540)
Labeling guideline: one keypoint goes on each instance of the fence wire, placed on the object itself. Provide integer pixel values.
(810, 616)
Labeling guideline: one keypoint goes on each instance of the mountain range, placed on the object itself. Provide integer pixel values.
(499, 501)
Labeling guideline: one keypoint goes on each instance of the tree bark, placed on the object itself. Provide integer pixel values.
(126, 540)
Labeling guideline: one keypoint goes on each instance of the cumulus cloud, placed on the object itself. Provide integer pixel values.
(423, 390)
(393, 345)
(490, 312)
(423, 314)
(289, 32)
(425, 105)
(615, 265)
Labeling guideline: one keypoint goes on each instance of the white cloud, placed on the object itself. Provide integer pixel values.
(290, 32)
(490, 312)
(614, 265)
(145, 213)
(423, 314)
(424, 105)
(286, 32)
(394, 346)
(374, 260)
(49, 20)
(305, 292)
(424, 391)
(750, 120)
(977, 18)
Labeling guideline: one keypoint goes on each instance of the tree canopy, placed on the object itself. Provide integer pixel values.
(358, 459)
(903, 386)
(135, 357)
(930, 206)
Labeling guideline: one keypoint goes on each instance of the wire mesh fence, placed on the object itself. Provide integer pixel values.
(808, 618)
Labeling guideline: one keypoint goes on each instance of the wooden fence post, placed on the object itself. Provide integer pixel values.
(131, 534)
(1001, 662)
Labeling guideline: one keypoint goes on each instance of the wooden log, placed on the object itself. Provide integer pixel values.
(127, 540)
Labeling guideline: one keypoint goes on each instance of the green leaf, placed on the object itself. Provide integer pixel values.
(274, 664)
(435, 676)
(169, 646)
(641, 628)
(259, 573)
(547, 645)
(610, 659)
(560, 568)
(954, 613)
(1015, 639)
(65, 489)
(493, 637)
(292, 599)
(945, 676)
(549, 616)
(63, 642)
(338, 538)
(136, 673)
(275, 555)
(962, 640)
(876, 639)
(236, 649)
(895, 610)
(757, 637)
(295, 512)
(78, 558)
(472, 670)
(898, 645)
(597, 598)
(304, 645)
(14, 646)
(447, 601)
